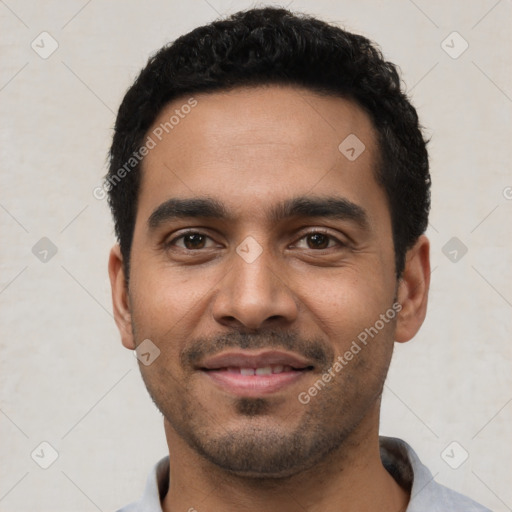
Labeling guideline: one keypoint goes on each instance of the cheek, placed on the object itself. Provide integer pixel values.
(344, 303)
(163, 298)
(168, 305)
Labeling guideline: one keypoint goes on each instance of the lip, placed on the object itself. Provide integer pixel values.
(219, 371)
(260, 359)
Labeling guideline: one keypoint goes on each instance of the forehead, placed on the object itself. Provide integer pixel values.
(251, 146)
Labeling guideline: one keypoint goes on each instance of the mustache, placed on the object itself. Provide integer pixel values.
(315, 350)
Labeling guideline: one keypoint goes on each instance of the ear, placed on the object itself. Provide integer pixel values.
(120, 298)
(413, 289)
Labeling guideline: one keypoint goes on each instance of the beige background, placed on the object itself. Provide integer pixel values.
(65, 378)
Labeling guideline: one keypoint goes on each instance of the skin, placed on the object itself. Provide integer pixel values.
(250, 149)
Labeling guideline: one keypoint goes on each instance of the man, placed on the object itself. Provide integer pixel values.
(270, 190)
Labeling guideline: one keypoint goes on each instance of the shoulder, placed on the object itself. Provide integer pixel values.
(156, 488)
(426, 494)
(441, 497)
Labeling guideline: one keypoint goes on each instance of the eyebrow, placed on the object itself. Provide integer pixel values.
(303, 206)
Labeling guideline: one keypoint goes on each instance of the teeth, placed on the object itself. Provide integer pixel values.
(266, 370)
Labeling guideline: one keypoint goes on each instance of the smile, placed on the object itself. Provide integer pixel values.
(253, 375)
(265, 370)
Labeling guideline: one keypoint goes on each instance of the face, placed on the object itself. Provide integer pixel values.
(262, 255)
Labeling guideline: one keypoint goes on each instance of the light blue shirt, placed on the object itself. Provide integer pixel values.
(398, 458)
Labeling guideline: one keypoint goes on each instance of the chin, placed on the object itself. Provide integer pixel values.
(260, 449)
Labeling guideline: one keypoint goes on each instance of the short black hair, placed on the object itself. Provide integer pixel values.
(275, 46)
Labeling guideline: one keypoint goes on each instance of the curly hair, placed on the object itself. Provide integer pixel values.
(275, 46)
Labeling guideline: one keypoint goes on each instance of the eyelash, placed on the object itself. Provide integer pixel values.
(309, 233)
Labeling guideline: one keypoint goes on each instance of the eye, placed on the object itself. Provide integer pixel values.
(320, 240)
(192, 240)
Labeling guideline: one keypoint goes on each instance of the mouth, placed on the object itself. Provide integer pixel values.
(254, 374)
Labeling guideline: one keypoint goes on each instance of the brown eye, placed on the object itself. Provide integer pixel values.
(318, 241)
(191, 241)
(194, 241)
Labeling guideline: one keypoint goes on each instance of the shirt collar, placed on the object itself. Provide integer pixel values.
(398, 458)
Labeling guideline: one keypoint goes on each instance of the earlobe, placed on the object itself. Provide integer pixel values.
(413, 290)
(120, 299)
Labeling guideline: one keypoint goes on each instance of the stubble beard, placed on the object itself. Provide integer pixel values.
(261, 448)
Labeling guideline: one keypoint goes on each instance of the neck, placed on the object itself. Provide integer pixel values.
(351, 479)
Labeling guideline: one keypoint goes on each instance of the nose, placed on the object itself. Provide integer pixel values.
(253, 295)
